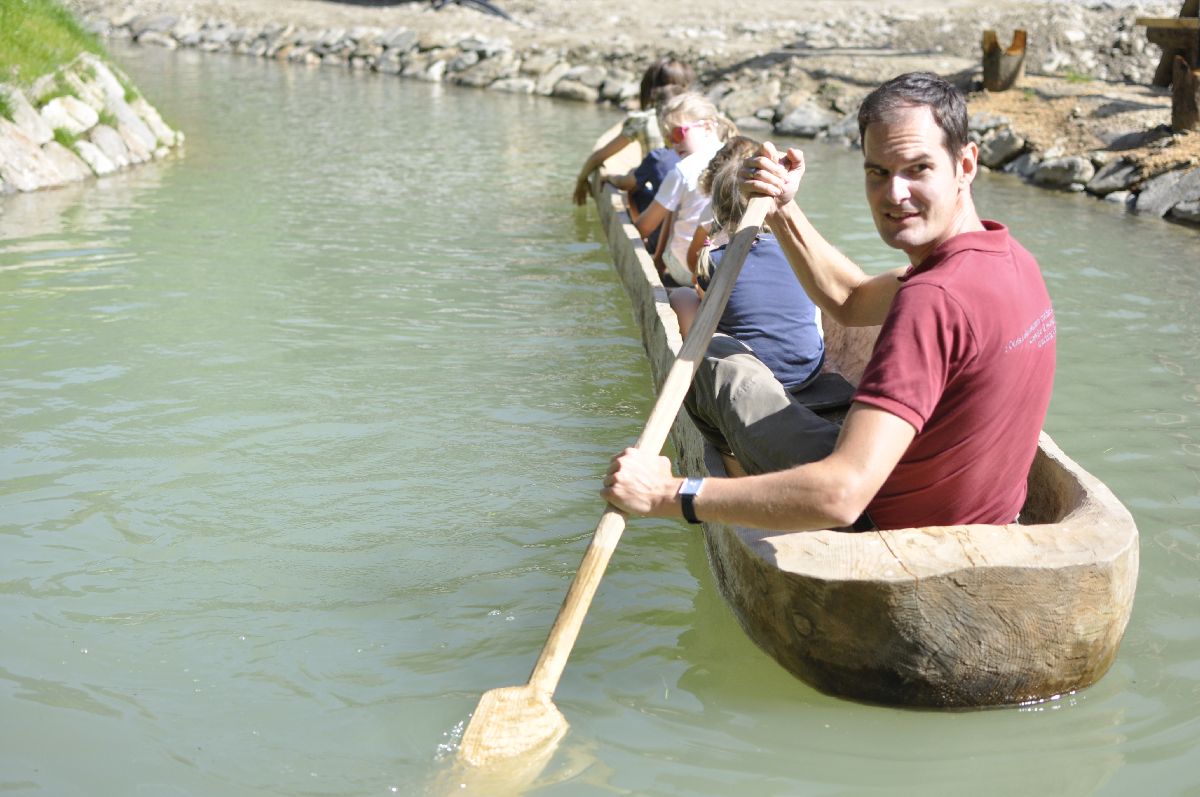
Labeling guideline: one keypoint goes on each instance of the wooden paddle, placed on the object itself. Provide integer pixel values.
(522, 720)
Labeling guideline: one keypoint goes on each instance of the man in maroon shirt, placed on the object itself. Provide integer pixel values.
(945, 422)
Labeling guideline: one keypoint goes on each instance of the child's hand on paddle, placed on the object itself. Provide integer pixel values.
(773, 175)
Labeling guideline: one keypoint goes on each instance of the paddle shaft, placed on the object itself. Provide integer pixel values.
(553, 659)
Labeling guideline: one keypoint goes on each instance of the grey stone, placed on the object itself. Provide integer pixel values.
(137, 134)
(748, 101)
(615, 89)
(163, 134)
(539, 64)
(25, 117)
(463, 61)
(94, 157)
(67, 112)
(153, 37)
(806, 121)
(436, 71)
(489, 71)
(845, 128)
(514, 85)
(999, 146)
(1161, 194)
(574, 90)
(185, 27)
(1186, 211)
(158, 23)
(401, 39)
(983, 122)
(545, 83)
(1120, 175)
(69, 165)
(590, 76)
(752, 124)
(111, 144)
(23, 164)
(1023, 165)
(389, 63)
(1070, 173)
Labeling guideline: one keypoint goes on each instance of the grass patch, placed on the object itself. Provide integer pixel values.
(61, 88)
(108, 118)
(37, 37)
(1077, 77)
(6, 109)
(65, 137)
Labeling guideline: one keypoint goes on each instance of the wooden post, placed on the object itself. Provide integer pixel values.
(1002, 68)
(1185, 97)
(1176, 36)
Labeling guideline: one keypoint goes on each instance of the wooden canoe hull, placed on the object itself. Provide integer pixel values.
(961, 616)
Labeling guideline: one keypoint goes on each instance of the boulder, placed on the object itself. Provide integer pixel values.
(806, 121)
(1159, 195)
(401, 39)
(1119, 175)
(1024, 165)
(983, 122)
(747, 102)
(1186, 211)
(23, 164)
(94, 157)
(67, 112)
(574, 90)
(539, 64)
(163, 134)
(1070, 173)
(590, 76)
(160, 24)
(109, 142)
(69, 165)
(489, 71)
(514, 85)
(547, 80)
(25, 117)
(998, 146)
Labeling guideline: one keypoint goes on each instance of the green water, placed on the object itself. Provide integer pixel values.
(300, 434)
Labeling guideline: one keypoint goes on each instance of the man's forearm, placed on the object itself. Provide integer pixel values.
(810, 496)
(828, 276)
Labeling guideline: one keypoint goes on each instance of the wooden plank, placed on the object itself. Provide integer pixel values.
(1170, 23)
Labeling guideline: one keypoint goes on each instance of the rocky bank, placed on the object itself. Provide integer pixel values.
(85, 120)
(1083, 119)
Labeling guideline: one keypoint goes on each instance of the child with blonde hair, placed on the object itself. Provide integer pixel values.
(768, 312)
(694, 126)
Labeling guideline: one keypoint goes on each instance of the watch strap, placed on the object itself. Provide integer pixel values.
(687, 495)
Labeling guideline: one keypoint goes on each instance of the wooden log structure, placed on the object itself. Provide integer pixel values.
(1185, 97)
(1177, 36)
(1003, 68)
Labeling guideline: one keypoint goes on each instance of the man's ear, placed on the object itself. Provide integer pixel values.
(968, 162)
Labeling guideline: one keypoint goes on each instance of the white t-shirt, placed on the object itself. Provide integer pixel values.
(681, 193)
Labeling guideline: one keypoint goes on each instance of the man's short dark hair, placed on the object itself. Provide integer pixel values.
(914, 89)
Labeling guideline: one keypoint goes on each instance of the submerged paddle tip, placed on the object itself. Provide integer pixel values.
(511, 722)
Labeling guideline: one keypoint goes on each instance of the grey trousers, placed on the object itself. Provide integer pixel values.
(741, 408)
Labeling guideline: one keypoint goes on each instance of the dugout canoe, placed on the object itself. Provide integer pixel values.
(956, 616)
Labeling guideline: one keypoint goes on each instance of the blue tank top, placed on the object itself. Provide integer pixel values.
(770, 312)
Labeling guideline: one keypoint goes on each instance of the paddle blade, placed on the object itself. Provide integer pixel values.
(510, 722)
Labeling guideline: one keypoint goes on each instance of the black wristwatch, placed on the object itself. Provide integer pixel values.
(687, 495)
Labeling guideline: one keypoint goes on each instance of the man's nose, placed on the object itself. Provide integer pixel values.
(897, 190)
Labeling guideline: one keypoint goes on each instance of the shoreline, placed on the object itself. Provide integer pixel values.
(799, 75)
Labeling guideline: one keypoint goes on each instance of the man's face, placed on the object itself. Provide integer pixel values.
(919, 195)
